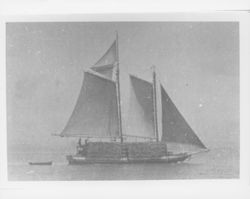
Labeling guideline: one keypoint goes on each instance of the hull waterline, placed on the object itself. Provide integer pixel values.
(79, 160)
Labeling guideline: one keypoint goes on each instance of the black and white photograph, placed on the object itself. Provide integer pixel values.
(122, 100)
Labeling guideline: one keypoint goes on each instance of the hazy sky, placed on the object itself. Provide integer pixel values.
(198, 63)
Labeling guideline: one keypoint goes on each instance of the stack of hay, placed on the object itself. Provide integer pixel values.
(113, 151)
(104, 150)
(147, 150)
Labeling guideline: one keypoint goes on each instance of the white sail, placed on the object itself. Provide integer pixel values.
(106, 64)
(175, 129)
(109, 57)
(141, 110)
(95, 113)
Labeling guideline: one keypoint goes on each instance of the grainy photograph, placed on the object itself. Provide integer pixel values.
(122, 100)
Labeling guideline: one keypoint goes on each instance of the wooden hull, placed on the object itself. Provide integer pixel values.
(40, 163)
(174, 158)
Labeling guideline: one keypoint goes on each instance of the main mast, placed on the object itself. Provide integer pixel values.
(155, 104)
(118, 94)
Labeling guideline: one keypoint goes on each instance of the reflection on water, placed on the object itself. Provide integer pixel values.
(218, 163)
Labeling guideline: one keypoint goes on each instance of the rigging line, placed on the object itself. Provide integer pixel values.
(110, 118)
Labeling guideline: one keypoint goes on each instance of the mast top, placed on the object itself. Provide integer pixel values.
(117, 47)
(153, 68)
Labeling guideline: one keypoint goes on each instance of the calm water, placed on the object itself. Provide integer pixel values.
(217, 163)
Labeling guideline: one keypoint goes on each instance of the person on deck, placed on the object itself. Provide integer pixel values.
(85, 148)
(80, 142)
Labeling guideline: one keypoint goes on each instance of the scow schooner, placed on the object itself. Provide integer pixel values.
(98, 119)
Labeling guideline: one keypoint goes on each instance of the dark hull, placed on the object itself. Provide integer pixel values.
(175, 158)
(40, 163)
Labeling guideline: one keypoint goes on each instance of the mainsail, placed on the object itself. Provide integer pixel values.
(174, 127)
(141, 109)
(95, 113)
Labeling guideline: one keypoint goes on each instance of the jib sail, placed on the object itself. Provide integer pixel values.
(175, 129)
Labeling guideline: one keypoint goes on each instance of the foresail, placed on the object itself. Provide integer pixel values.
(105, 65)
(95, 113)
(141, 110)
(174, 127)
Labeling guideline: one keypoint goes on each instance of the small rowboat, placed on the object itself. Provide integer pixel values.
(41, 163)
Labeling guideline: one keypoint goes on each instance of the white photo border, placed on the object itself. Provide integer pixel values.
(122, 189)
